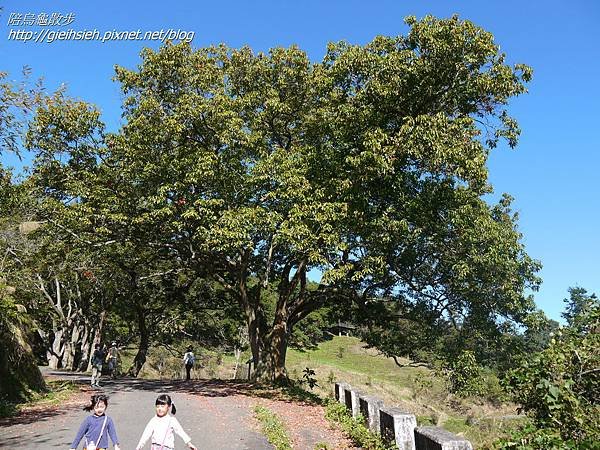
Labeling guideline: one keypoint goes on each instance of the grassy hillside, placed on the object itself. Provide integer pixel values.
(415, 389)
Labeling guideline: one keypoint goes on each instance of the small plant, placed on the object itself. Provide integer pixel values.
(273, 428)
(322, 446)
(309, 378)
(331, 377)
(421, 383)
(355, 428)
(340, 352)
(425, 421)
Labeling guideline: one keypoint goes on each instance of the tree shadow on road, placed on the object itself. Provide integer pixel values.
(205, 388)
(217, 388)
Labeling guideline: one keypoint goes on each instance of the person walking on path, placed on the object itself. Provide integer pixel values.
(112, 360)
(97, 362)
(96, 428)
(162, 427)
(188, 360)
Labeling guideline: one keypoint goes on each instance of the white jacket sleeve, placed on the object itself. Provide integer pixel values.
(147, 434)
(177, 428)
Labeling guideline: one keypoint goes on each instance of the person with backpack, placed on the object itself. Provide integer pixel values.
(188, 360)
(112, 359)
(97, 428)
(97, 362)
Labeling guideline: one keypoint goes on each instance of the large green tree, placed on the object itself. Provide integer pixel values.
(370, 166)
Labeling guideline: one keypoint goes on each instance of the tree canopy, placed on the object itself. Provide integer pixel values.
(253, 169)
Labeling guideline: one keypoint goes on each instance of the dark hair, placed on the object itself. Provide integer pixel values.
(164, 399)
(94, 400)
(189, 349)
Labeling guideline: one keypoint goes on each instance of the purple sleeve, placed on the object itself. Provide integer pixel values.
(82, 429)
(112, 432)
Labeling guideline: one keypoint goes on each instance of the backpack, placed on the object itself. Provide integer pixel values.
(189, 359)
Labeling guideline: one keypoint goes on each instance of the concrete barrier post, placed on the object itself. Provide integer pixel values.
(339, 391)
(434, 438)
(348, 397)
(369, 407)
(398, 426)
(354, 402)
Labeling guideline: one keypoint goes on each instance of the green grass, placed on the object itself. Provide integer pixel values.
(345, 359)
(273, 428)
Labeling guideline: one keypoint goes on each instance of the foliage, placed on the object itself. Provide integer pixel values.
(579, 305)
(464, 376)
(421, 383)
(308, 378)
(530, 437)
(19, 374)
(17, 101)
(273, 428)
(312, 330)
(248, 170)
(57, 392)
(337, 413)
(559, 387)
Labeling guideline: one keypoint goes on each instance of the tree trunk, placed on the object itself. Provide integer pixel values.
(97, 339)
(140, 357)
(272, 349)
(70, 355)
(55, 352)
(278, 350)
(86, 345)
(78, 348)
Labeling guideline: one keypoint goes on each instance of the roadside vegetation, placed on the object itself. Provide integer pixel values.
(57, 393)
(273, 428)
(354, 428)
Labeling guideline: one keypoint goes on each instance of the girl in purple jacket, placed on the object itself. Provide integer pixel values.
(96, 428)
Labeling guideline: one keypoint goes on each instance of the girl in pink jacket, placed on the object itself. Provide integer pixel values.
(163, 427)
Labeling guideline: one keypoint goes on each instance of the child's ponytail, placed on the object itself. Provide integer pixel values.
(94, 400)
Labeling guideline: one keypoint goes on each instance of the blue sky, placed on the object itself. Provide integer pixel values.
(552, 173)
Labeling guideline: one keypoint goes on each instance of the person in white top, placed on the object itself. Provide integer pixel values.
(163, 426)
(188, 360)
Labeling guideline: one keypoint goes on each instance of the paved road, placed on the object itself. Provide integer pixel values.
(204, 410)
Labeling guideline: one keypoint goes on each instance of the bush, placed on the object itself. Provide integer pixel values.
(559, 388)
(464, 375)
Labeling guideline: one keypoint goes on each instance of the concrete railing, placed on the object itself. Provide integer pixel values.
(395, 425)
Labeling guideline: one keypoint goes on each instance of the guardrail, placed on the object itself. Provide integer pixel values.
(396, 425)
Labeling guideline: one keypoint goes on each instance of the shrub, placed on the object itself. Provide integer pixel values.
(464, 376)
(559, 388)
